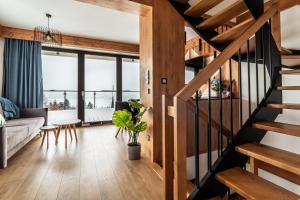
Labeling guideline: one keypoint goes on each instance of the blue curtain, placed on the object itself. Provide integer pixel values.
(22, 75)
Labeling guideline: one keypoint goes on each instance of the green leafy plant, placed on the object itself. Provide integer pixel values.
(131, 120)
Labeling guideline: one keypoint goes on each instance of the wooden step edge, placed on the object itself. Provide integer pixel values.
(284, 106)
(288, 129)
(251, 186)
(224, 15)
(288, 88)
(234, 32)
(276, 157)
(201, 7)
(293, 71)
(288, 57)
(285, 51)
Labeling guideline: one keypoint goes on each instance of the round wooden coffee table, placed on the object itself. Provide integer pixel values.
(46, 130)
(68, 125)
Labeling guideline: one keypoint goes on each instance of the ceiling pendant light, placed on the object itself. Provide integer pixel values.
(48, 36)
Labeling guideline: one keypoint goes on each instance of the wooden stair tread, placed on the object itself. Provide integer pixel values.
(234, 32)
(284, 106)
(201, 7)
(224, 16)
(294, 71)
(290, 56)
(288, 129)
(251, 186)
(279, 158)
(285, 51)
(288, 88)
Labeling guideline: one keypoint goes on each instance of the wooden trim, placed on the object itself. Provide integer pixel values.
(157, 169)
(74, 41)
(211, 68)
(168, 149)
(180, 130)
(171, 111)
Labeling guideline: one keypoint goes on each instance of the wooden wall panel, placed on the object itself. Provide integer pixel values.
(73, 41)
(168, 45)
(146, 63)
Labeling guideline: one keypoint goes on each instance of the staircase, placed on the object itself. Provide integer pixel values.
(252, 45)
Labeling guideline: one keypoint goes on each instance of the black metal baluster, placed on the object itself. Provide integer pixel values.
(240, 87)
(264, 62)
(65, 99)
(220, 132)
(209, 128)
(94, 99)
(270, 50)
(197, 165)
(249, 78)
(257, 81)
(231, 98)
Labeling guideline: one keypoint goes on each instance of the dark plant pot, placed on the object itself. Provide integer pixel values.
(134, 152)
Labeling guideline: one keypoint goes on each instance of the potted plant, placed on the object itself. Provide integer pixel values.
(132, 121)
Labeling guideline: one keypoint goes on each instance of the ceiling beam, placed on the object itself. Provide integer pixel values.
(140, 7)
(73, 41)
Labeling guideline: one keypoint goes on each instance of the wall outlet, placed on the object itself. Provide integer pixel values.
(148, 138)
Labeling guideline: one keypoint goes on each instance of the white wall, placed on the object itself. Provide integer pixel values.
(1, 63)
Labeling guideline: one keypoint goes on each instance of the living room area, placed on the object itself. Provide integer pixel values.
(76, 122)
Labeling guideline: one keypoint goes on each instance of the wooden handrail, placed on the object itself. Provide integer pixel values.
(186, 92)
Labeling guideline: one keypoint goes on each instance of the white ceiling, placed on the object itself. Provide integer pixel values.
(71, 17)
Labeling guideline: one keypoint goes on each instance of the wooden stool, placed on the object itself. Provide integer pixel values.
(45, 130)
(69, 126)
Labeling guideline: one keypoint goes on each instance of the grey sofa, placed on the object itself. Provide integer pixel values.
(18, 132)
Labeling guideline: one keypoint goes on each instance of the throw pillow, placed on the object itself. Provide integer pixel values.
(10, 110)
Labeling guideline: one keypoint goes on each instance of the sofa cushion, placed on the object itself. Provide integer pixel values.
(34, 124)
(15, 135)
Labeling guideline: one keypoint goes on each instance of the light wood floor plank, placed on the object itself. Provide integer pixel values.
(95, 168)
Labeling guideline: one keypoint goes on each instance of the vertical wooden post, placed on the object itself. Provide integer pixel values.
(168, 150)
(180, 133)
(253, 166)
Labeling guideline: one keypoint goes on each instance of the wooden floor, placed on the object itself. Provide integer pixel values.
(95, 168)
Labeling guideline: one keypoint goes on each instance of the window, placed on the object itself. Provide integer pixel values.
(100, 87)
(82, 84)
(60, 80)
(130, 79)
